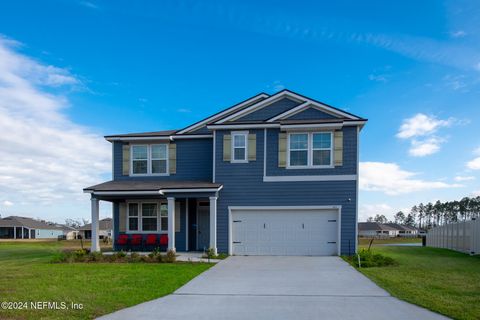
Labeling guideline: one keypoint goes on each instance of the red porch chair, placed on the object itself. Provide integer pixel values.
(122, 240)
(136, 241)
(164, 240)
(151, 240)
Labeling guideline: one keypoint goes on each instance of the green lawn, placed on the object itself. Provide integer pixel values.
(441, 280)
(26, 274)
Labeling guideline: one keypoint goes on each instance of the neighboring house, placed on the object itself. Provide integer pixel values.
(272, 175)
(404, 230)
(15, 227)
(376, 230)
(105, 227)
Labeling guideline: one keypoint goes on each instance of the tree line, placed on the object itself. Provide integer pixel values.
(430, 215)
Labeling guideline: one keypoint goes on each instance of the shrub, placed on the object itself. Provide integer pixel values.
(370, 259)
(134, 257)
(95, 256)
(120, 254)
(171, 256)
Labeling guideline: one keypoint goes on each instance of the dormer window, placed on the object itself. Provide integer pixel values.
(149, 159)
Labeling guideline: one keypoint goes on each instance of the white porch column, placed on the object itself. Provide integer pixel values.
(171, 223)
(213, 224)
(14, 232)
(23, 233)
(95, 241)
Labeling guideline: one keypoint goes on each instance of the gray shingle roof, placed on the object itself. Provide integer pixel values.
(164, 133)
(150, 185)
(16, 221)
(364, 226)
(104, 224)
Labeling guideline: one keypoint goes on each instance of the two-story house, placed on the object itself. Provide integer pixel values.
(272, 175)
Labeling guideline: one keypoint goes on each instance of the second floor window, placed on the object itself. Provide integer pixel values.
(239, 147)
(310, 150)
(149, 159)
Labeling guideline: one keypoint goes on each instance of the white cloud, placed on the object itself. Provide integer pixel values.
(458, 34)
(7, 203)
(464, 178)
(421, 125)
(476, 193)
(392, 180)
(369, 210)
(474, 164)
(425, 147)
(377, 77)
(89, 4)
(44, 157)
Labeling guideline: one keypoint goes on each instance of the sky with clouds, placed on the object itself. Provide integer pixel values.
(73, 71)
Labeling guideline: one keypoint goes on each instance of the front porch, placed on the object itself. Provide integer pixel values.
(149, 215)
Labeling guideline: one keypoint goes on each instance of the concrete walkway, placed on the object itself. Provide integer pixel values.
(278, 288)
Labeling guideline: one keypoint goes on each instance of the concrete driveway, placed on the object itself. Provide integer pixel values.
(278, 288)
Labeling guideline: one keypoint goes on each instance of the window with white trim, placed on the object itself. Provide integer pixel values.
(310, 150)
(158, 158)
(133, 217)
(239, 146)
(149, 217)
(322, 149)
(298, 149)
(149, 159)
(139, 159)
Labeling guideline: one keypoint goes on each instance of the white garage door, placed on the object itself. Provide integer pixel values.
(285, 232)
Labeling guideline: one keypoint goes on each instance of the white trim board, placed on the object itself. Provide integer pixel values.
(163, 191)
(205, 121)
(333, 177)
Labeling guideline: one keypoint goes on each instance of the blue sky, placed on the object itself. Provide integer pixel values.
(98, 67)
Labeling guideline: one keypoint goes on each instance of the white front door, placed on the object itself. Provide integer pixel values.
(285, 232)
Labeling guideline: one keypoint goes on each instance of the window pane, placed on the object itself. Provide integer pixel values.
(164, 223)
(321, 157)
(239, 154)
(149, 224)
(133, 209)
(159, 166)
(149, 209)
(159, 151)
(322, 140)
(239, 140)
(298, 158)
(164, 210)
(139, 166)
(133, 224)
(139, 152)
(299, 141)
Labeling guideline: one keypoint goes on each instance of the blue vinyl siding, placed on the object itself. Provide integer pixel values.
(194, 161)
(270, 111)
(244, 186)
(311, 114)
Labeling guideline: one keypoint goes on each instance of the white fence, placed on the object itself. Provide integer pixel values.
(460, 236)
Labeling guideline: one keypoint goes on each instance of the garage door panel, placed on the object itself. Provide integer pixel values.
(285, 232)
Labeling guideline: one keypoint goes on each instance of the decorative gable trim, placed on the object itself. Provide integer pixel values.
(291, 95)
(216, 116)
(304, 106)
